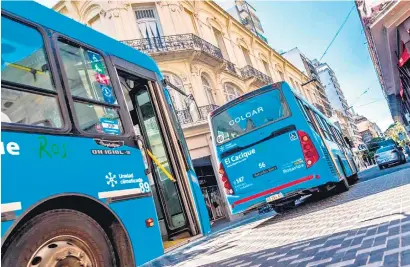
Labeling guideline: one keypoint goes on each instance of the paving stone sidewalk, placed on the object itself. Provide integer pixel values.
(366, 226)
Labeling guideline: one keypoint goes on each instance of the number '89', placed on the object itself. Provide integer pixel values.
(144, 187)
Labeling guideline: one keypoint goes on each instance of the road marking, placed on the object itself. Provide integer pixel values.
(119, 193)
(13, 206)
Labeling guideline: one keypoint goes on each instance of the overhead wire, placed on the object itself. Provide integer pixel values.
(337, 33)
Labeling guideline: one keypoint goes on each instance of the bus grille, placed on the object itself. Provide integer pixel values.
(329, 162)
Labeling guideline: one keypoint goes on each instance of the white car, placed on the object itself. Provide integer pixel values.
(389, 155)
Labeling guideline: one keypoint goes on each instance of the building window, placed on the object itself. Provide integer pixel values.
(231, 92)
(191, 27)
(95, 23)
(282, 76)
(247, 56)
(266, 66)
(221, 43)
(208, 89)
(292, 83)
(148, 23)
(177, 98)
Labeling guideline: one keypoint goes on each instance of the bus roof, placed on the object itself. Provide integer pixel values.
(55, 21)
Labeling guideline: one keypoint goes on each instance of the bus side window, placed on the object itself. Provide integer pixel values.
(87, 78)
(328, 128)
(24, 65)
(340, 137)
(323, 127)
(305, 111)
(337, 137)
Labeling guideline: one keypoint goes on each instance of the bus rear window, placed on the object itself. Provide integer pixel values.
(248, 115)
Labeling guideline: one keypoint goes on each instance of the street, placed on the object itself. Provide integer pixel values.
(376, 172)
(368, 225)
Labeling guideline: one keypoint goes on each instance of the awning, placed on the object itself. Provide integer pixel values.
(205, 161)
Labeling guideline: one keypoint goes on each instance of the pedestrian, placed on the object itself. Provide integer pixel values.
(208, 206)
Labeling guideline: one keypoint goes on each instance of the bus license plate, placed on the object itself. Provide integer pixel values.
(274, 197)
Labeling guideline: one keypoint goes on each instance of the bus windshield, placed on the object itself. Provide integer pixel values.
(250, 114)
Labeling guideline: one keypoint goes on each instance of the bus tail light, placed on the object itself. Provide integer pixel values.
(309, 151)
(225, 180)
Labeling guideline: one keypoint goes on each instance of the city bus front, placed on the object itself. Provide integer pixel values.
(265, 149)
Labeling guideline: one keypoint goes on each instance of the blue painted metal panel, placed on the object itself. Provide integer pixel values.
(48, 165)
(146, 242)
(280, 157)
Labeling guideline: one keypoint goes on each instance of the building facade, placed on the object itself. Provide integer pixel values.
(203, 51)
(304, 64)
(387, 28)
(246, 14)
(368, 130)
(338, 101)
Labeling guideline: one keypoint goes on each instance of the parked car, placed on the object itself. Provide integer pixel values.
(389, 155)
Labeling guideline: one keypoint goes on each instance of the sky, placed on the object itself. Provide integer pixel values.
(310, 26)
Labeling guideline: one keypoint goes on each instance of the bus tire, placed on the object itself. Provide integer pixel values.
(342, 186)
(60, 237)
(353, 179)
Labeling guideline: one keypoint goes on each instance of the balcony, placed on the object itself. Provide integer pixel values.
(186, 117)
(231, 68)
(181, 46)
(259, 78)
(319, 107)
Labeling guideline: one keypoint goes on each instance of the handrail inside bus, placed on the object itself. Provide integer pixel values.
(21, 67)
(156, 161)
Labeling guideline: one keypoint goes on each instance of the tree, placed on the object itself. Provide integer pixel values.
(393, 132)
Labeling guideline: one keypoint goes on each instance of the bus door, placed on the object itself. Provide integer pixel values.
(170, 210)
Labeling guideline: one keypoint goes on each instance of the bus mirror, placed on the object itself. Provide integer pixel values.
(147, 160)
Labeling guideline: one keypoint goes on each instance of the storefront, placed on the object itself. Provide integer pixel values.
(209, 187)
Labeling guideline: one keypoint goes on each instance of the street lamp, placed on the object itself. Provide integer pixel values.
(313, 80)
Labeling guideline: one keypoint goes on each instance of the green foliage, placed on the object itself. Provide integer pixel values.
(393, 133)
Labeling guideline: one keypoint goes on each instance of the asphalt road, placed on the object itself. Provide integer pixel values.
(375, 172)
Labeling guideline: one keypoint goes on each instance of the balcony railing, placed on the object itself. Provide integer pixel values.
(250, 72)
(186, 116)
(230, 67)
(175, 43)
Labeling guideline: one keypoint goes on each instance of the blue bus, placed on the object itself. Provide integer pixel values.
(95, 169)
(274, 147)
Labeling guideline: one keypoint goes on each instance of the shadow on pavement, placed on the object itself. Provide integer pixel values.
(356, 192)
(386, 243)
(389, 240)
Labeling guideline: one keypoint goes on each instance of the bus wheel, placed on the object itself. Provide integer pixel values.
(353, 179)
(60, 238)
(342, 186)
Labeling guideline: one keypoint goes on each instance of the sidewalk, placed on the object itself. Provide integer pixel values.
(367, 226)
(368, 167)
(218, 230)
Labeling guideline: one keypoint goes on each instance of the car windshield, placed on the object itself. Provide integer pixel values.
(384, 149)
